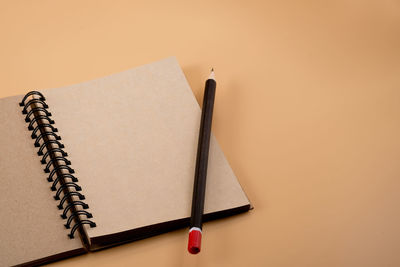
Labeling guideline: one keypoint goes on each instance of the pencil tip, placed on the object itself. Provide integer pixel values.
(212, 74)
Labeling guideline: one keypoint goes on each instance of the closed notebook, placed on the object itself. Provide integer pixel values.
(116, 164)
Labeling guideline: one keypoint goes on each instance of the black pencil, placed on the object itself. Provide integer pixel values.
(200, 175)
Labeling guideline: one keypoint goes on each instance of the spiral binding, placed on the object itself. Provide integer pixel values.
(28, 116)
(46, 143)
(64, 183)
(53, 149)
(42, 125)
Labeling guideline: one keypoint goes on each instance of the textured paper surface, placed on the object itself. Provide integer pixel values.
(132, 140)
(30, 225)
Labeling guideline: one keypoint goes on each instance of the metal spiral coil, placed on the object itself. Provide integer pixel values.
(57, 165)
(42, 125)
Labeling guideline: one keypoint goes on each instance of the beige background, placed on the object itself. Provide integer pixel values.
(307, 113)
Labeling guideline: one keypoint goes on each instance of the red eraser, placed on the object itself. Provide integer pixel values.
(194, 241)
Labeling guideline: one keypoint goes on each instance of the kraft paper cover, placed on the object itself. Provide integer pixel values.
(132, 140)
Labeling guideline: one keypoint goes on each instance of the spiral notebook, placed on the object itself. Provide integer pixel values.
(102, 163)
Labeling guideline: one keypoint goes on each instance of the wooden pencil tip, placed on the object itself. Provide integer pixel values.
(212, 75)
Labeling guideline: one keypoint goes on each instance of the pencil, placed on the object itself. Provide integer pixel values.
(200, 175)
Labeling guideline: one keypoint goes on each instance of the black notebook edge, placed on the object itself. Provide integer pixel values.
(55, 257)
(105, 241)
